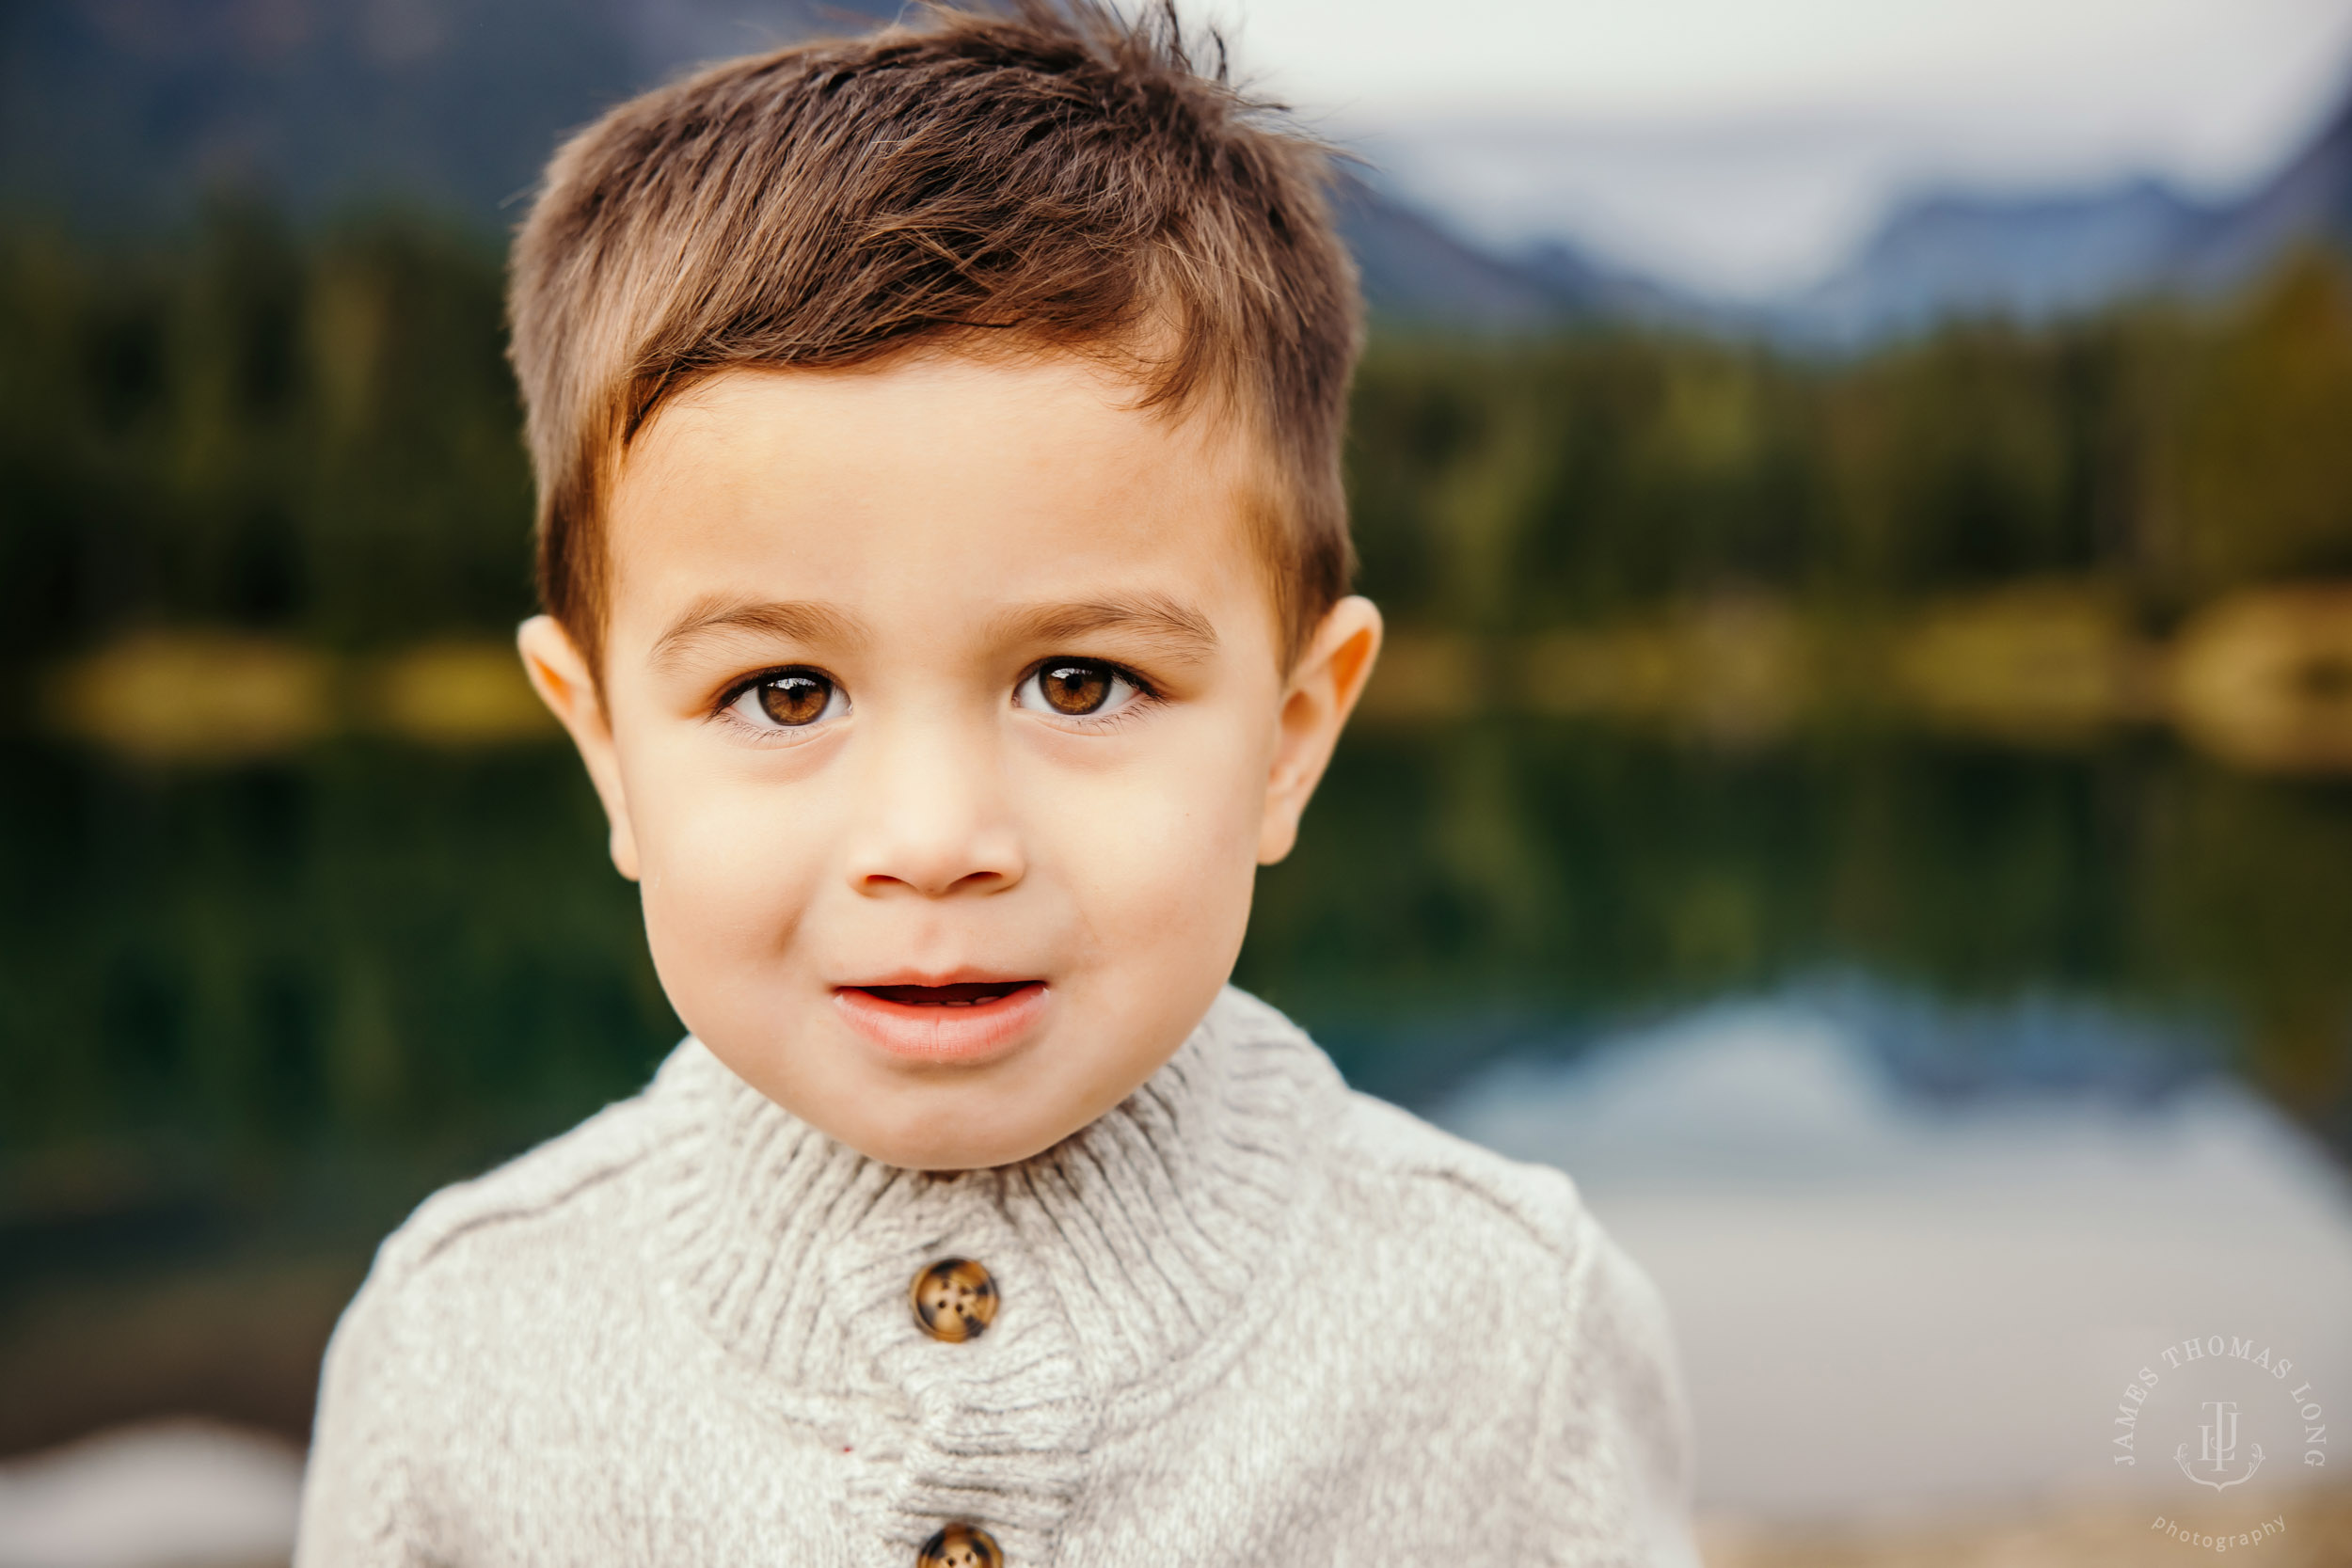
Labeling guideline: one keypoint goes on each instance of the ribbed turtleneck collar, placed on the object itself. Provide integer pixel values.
(1133, 1239)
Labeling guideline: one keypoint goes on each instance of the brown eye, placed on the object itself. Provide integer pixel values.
(1076, 689)
(793, 700)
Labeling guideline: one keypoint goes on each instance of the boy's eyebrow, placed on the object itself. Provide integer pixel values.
(794, 619)
(1177, 630)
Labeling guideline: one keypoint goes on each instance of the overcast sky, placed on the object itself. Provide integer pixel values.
(1743, 146)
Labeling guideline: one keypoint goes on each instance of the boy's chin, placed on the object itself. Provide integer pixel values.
(979, 1139)
(974, 1119)
(977, 1121)
(951, 1159)
(1064, 1064)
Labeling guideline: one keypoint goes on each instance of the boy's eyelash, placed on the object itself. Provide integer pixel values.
(729, 694)
(722, 711)
(1136, 678)
(1147, 694)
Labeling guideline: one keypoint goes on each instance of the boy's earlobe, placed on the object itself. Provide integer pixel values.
(1323, 689)
(560, 674)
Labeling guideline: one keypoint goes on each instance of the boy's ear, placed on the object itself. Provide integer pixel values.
(564, 681)
(1323, 690)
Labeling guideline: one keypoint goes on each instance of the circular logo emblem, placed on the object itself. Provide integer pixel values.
(2211, 1415)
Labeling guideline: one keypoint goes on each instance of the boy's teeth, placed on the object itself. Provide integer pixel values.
(961, 995)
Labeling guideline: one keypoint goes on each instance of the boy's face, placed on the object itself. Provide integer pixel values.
(944, 724)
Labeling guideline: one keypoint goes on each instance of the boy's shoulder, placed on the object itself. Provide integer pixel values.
(1411, 1173)
(550, 1190)
(1379, 1152)
(1392, 1175)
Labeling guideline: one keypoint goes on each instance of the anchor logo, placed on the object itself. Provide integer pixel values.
(2219, 1448)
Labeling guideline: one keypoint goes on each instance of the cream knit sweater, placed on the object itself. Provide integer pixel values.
(1247, 1318)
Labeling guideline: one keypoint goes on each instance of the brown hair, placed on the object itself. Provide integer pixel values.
(1047, 176)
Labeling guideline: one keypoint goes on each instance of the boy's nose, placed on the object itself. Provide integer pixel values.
(932, 821)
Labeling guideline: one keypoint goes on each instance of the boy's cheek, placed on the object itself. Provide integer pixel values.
(730, 870)
(1156, 840)
(1172, 883)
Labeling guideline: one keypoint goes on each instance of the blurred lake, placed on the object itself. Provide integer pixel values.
(1923, 1071)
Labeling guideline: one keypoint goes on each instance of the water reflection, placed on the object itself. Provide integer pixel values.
(1892, 1301)
(1476, 884)
(251, 1011)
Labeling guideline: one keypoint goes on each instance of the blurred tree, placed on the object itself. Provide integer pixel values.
(316, 434)
(1953, 463)
(310, 436)
(2256, 469)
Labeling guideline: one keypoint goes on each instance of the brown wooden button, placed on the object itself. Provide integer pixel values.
(954, 1300)
(960, 1546)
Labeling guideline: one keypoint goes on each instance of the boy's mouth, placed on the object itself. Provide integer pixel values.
(963, 1021)
(964, 995)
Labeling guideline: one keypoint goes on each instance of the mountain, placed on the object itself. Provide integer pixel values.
(1944, 255)
(2033, 258)
(1417, 272)
(2310, 198)
(121, 115)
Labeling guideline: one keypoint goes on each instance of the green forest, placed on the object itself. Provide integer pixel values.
(315, 435)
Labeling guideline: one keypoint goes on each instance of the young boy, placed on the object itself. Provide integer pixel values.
(945, 567)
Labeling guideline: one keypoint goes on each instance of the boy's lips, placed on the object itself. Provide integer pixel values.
(962, 1021)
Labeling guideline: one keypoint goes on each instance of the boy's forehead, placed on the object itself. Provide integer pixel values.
(1040, 405)
(1036, 482)
(1171, 628)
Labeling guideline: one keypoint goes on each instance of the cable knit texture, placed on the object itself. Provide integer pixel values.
(1247, 1317)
